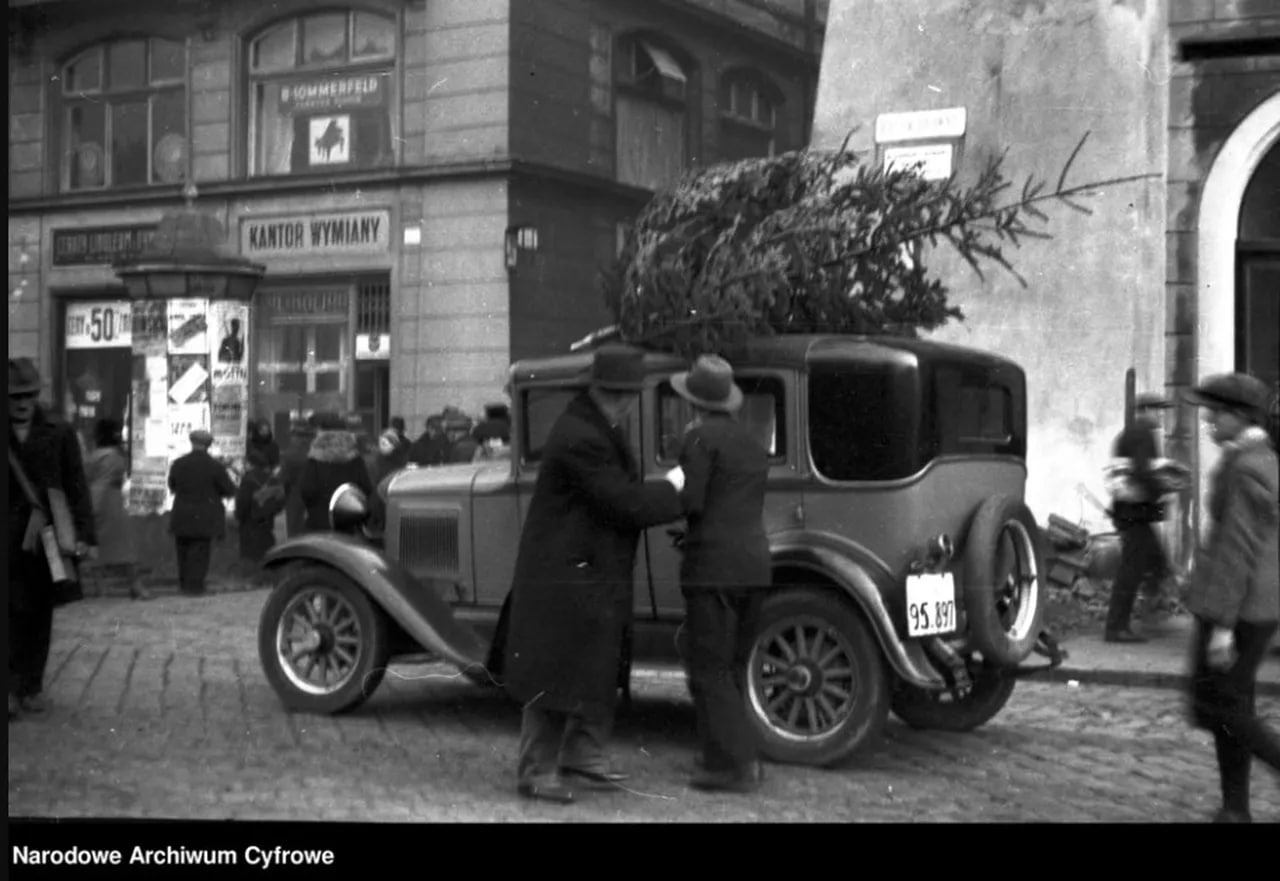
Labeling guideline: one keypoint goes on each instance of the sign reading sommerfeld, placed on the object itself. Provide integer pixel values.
(106, 244)
(301, 235)
(332, 93)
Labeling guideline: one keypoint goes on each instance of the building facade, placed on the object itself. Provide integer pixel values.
(1176, 272)
(432, 185)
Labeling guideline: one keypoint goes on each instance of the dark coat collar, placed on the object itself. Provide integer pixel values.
(586, 409)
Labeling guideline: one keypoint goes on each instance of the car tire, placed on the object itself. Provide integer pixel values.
(1003, 572)
(817, 687)
(322, 641)
(986, 696)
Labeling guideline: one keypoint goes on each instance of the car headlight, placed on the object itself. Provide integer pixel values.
(348, 508)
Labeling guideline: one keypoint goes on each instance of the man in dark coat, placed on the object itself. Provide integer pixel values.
(259, 499)
(292, 461)
(572, 594)
(726, 566)
(199, 483)
(432, 448)
(49, 453)
(1135, 512)
(334, 459)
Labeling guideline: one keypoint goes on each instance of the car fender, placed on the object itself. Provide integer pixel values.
(863, 580)
(417, 608)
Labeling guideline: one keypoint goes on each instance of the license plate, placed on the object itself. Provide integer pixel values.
(931, 604)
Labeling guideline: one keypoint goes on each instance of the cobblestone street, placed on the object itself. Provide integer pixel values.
(161, 711)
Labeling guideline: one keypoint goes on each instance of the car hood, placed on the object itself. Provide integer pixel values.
(441, 479)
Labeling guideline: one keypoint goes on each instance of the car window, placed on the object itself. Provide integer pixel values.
(541, 407)
(763, 413)
(861, 421)
(975, 411)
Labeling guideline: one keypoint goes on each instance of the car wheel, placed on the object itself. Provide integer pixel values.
(1003, 581)
(817, 685)
(988, 691)
(323, 643)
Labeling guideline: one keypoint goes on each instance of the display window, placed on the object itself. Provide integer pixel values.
(97, 365)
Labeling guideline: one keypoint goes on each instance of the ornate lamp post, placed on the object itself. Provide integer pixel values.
(189, 257)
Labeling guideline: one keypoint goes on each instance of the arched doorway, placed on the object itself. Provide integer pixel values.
(1219, 261)
(1258, 280)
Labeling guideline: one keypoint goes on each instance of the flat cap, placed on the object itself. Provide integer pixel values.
(201, 437)
(1232, 391)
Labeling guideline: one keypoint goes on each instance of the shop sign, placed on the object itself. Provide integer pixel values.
(362, 232)
(332, 93)
(304, 304)
(931, 161)
(99, 325)
(96, 245)
(373, 346)
(920, 125)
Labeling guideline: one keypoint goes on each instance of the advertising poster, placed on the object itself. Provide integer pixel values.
(150, 328)
(188, 327)
(230, 421)
(148, 492)
(188, 379)
(229, 325)
(184, 419)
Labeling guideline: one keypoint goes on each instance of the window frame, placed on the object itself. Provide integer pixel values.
(761, 90)
(626, 83)
(782, 439)
(107, 97)
(388, 65)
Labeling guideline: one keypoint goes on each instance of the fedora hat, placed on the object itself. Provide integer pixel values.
(24, 378)
(709, 385)
(618, 367)
(1232, 391)
(1151, 401)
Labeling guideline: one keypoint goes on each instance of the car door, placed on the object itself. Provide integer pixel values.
(769, 409)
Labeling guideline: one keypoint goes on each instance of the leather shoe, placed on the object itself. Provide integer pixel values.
(552, 792)
(1123, 636)
(607, 775)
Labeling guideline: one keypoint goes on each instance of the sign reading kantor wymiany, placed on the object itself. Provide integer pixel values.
(299, 235)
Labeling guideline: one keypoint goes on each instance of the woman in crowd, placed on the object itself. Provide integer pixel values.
(263, 440)
(105, 469)
(725, 567)
(1234, 592)
(334, 459)
(259, 498)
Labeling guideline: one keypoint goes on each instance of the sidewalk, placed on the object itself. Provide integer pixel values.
(1160, 663)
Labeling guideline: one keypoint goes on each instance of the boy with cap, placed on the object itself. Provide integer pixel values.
(199, 483)
(1234, 592)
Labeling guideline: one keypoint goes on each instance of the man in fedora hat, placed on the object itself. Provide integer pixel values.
(1136, 508)
(47, 453)
(1234, 591)
(571, 596)
(725, 566)
(199, 483)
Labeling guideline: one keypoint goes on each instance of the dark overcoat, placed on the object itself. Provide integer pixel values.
(50, 456)
(572, 594)
(334, 459)
(259, 499)
(199, 483)
(726, 471)
(292, 461)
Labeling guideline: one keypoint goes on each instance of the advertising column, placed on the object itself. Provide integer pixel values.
(148, 482)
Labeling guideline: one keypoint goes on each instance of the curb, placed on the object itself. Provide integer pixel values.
(1134, 679)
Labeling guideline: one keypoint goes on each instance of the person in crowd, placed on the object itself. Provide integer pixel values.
(1234, 591)
(493, 433)
(571, 596)
(260, 497)
(457, 430)
(45, 455)
(393, 454)
(301, 433)
(261, 438)
(199, 483)
(1136, 509)
(397, 424)
(725, 567)
(432, 448)
(105, 468)
(334, 459)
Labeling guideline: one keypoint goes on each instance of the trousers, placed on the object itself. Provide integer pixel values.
(30, 634)
(1222, 702)
(720, 626)
(1142, 565)
(552, 739)
(194, 555)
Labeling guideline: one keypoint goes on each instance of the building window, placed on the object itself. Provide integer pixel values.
(124, 106)
(651, 86)
(749, 113)
(320, 94)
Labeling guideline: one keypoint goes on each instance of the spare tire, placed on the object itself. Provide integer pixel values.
(1003, 572)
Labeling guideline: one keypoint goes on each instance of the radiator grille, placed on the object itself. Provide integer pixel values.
(429, 543)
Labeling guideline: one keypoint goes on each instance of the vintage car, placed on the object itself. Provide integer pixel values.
(908, 572)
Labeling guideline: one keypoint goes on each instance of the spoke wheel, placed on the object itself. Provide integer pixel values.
(816, 682)
(1003, 578)
(322, 642)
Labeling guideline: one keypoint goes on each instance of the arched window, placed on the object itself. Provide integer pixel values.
(750, 109)
(652, 91)
(124, 107)
(320, 93)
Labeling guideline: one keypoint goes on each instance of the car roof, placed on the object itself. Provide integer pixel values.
(783, 350)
